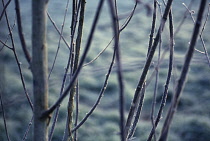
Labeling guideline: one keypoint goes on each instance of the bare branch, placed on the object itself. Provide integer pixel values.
(113, 10)
(145, 70)
(201, 38)
(74, 77)
(57, 30)
(4, 117)
(99, 97)
(20, 32)
(17, 60)
(184, 72)
(28, 128)
(165, 93)
(4, 10)
(5, 46)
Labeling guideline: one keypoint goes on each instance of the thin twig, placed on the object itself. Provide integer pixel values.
(115, 22)
(4, 117)
(103, 88)
(99, 54)
(4, 44)
(61, 91)
(201, 38)
(142, 93)
(76, 60)
(77, 110)
(8, 36)
(28, 128)
(128, 19)
(184, 72)
(156, 70)
(99, 97)
(20, 32)
(136, 98)
(5, 7)
(123, 26)
(204, 46)
(137, 114)
(184, 18)
(17, 60)
(56, 28)
(74, 77)
(69, 120)
(61, 35)
(165, 93)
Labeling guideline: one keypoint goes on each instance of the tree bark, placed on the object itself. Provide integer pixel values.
(39, 69)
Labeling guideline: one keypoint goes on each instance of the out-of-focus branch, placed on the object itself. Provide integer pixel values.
(17, 60)
(184, 72)
(55, 118)
(4, 117)
(170, 68)
(136, 98)
(74, 77)
(115, 25)
(20, 32)
(5, 7)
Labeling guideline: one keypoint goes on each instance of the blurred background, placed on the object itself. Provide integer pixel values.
(192, 119)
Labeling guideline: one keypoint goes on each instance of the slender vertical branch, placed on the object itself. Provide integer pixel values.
(70, 107)
(113, 10)
(165, 93)
(4, 117)
(136, 98)
(74, 77)
(28, 129)
(142, 93)
(76, 61)
(157, 67)
(184, 72)
(17, 60)
(77, 110)
(20, 32)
